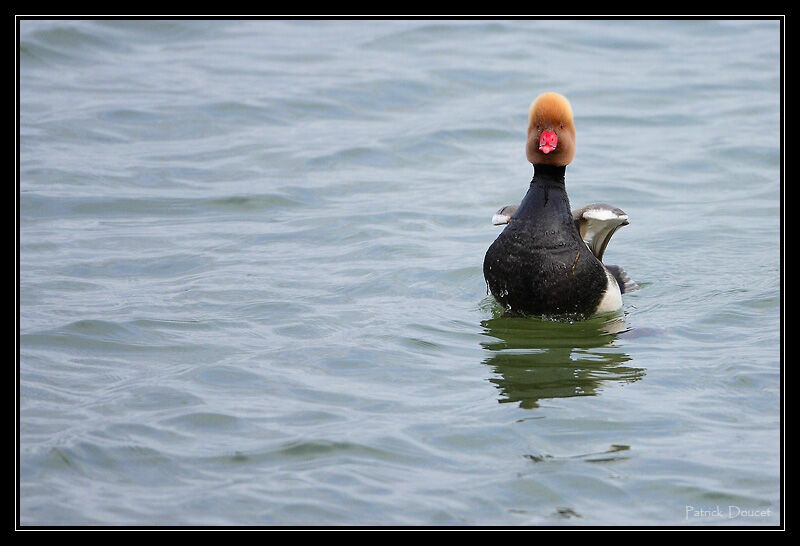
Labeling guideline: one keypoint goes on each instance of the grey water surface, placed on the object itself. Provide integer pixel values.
(251, 286)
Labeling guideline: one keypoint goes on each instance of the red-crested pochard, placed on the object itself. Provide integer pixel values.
(547, 260)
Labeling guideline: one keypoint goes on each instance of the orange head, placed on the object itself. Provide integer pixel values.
(551, 131)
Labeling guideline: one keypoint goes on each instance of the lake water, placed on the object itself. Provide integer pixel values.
(251, 286)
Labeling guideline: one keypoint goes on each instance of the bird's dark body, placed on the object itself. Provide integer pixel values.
(539, 265)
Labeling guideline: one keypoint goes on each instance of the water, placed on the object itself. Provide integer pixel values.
(251, 286)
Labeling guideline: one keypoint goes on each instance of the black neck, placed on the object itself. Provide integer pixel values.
(549, 174)
(546, 204)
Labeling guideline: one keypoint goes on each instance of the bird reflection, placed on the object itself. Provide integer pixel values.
(537, 359)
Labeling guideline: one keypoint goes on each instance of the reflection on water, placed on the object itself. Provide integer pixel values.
(537, 359)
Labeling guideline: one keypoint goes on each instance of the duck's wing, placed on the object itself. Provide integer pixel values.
(503, 216)
(597, 223)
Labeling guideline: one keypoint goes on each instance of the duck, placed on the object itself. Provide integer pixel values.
(548, 260)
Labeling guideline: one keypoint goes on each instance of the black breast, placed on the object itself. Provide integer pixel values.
(539, 265)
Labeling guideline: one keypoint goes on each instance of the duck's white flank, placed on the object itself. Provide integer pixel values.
(612, 297)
